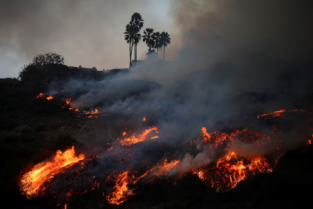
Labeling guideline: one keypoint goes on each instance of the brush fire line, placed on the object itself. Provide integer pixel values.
(222, 175)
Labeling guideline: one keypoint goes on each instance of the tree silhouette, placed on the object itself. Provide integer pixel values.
(49, 58)
(148, 37)
(157, 40)
(165, 40)
(130, 36)
(138, 21)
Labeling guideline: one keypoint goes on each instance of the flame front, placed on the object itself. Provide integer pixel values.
(121, 190)
(136, 139)
(229, 172)
(32, 181)
(275, 113)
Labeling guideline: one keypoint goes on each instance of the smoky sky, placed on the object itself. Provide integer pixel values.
(87, 33)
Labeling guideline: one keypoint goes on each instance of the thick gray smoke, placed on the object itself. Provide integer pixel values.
(231, 48)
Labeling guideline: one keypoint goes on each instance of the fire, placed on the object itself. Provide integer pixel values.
(309, 141)
(154, 137)
(121, 190)
(40, 95)
(32, 181)
(229, 171)
(91, 116)
(199, 173)
(226, 158)
(50, 97)
(124, 133)
(275, 113)
(160, 170)
(206, 135)
(136, 139)
(68, 101)
(144, 119)
(166, 167)
(92, 112)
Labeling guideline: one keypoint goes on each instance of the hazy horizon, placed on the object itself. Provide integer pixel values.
(89, 34)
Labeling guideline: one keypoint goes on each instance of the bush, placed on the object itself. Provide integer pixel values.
(34, 73)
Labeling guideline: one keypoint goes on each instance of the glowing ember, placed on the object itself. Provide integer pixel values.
(40, 95)
(136, 139)
(32, 181)
(144, 119)
(121, 190)
(49, 97)
(274, 114)
(124, 133)
(154, 137)
(68, 101)
(309, 141)
(91, 116)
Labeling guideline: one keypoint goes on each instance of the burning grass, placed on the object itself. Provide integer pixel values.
(32, 181)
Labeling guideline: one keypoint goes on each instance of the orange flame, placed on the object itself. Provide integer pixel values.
(206, 135)
(144, 119)
(136, 139)
(275, 114)
(166, 167)
(227, 174)
(32, 181)
(161, 169)
(68, 101)
(120, 190)
(49, 97)
(40, 95)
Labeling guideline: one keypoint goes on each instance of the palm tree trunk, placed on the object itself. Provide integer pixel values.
(130, 55)
(163, 53)
(136, 52)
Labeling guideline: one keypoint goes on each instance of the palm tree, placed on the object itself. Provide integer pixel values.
(130, 34)
(157, 39)
(138, 21)
(148, 38)
(136, 38)
(165, 40)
